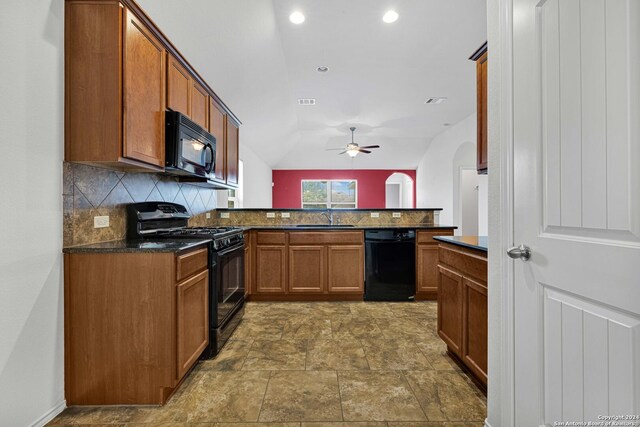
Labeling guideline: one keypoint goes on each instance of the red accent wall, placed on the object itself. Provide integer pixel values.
(287, 185)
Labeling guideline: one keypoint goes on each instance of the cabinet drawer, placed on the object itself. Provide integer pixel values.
(474, 266)
(270, 238)
(427, 236)
(190, 263)
(326, 237)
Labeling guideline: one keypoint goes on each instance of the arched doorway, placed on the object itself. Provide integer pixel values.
(398, 191)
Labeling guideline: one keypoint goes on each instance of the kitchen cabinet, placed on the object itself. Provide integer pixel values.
(233, 152)
(115, 88)
(192, 320)
(462, 306)
(217, 127)
(121, 75)
(248, 279)
(199, 104)
(135, 324)
(345, 268)
(307, 265)
(427, 263)
(178, 87)
(481, 58)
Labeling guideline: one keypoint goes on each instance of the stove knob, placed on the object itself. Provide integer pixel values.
(215, 245)
(227, 241)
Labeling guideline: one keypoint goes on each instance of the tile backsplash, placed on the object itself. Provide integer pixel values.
(90, 191)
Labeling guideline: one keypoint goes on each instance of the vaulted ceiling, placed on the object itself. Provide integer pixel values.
(380, 74)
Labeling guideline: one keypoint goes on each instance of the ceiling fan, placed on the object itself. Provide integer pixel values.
(352, 149)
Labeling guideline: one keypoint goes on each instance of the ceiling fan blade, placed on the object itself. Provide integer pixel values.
(364, 151)
(371, 146)
(342, 152)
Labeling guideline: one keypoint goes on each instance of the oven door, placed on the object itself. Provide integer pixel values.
(229, 282)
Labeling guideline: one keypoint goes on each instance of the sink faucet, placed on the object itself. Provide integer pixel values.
(328, 215)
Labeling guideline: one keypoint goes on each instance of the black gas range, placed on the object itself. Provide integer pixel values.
(163, 220)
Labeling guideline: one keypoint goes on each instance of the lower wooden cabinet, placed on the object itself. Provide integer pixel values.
(314, 265)
(450, 309)
(427, 263)
(270, 269)
(462, 306)
(132, 328)
(346, 269)
(307, 269)
(192, 314)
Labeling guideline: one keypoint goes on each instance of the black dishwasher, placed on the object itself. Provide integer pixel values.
(390, 265)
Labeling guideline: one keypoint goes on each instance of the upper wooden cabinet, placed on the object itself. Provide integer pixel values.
(217, 127)
(233, 153)
(178, 87)
(199, 104)
(121, 75)
(481, 56)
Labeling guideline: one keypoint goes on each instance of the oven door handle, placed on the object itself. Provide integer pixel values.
(231, 249)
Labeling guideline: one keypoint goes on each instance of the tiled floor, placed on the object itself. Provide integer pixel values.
(318, 365)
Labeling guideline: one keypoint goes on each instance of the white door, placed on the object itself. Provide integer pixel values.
(576, 83)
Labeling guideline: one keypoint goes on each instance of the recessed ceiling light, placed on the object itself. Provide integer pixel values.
(296, 17)
(322, 69)
(390, 16)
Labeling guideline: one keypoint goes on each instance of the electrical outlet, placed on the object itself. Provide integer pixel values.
(207, 215)
(224, 215)
(375, 214)
(397, 214)
(271, 214)
(285, 215)
(100, 221)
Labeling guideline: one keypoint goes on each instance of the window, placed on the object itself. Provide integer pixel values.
(334, 194)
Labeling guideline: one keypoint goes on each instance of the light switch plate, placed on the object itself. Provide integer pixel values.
(375, 214)
(271, 214)
(397, 214)
(285, 215)
(208, 215)
(224, 215)
(100, 221)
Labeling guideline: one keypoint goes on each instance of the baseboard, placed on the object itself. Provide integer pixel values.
(51, 414)
(486, 423)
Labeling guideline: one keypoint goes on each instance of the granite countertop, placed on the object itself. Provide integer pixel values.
(473, 242)
(317, 227)
(118, 246)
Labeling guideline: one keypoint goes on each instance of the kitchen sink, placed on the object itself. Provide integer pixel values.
(324, 226)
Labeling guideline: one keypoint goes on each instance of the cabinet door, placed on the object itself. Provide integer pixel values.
(346, 269)
(193, 320)
(427, 274)
(178, 87)
(199, 104)
(474, 349)
(481, 69)
(144, 93)
(307, 269)
(271, 268)
(232, 153)
(450, 309)
(217, 125)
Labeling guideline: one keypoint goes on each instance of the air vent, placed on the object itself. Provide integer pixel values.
(435, 100)
(306, 101)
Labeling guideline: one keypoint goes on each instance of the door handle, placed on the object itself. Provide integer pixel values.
(520, 252)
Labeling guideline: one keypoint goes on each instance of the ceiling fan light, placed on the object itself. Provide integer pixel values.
(352, 153)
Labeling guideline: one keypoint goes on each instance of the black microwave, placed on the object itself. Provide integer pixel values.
(190, 150)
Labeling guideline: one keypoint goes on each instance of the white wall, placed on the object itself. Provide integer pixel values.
(438, 173)
(257, 178)
(31, 291)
